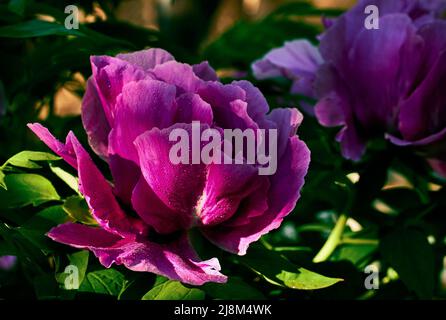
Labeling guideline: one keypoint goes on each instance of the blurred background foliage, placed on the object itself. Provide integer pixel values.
(386, 211)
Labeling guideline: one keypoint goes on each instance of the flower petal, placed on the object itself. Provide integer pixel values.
(338, 39)
(378, 86)
(179, 74)
(125, 174)
(226, 186)
(204, 71)
(176, 260)
(142, 106)
(287, 121)
(95, 121)
(178, 186)
(424, 112)
(155, 213)
(334, 109)
(257, 104)
(297, 60)
(63, 150)
(100, 198)
(436, 138)
(147, 59)
(92, 184)
(228, 105)
(283, 192)
(103, 244)
(82, 236)
(110, 75)
(192, 108)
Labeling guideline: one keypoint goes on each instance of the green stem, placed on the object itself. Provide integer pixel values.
(266, 244)
(279, 249)
(333, 240)
(359, 241)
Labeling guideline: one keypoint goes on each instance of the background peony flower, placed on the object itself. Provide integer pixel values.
(133, 101)
(297, 60)
(7, 262)
(384, 82)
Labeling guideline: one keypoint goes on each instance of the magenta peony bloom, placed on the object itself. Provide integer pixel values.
(132, 103)
(382, 82)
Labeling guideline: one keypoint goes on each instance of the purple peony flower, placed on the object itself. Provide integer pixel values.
(297, 60)
(384, 82)
(132, 104)
(7, 262)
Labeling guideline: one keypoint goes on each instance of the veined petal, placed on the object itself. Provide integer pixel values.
(190, 107)
(283, 192)
(110, 75)
(297, 60)
(204, 71)
(229, 105)
(92, 184)
(179, 74)
(226, 186)
(142, 106)
(178, 186)
(100, 198)
(257, 104)
(106, 246)
(298, 57)
(63, 150)
(176, 260)
(95, 121)
(155, 213)
(147, 59)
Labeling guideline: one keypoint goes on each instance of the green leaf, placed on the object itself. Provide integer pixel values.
(410, 254)
(279, 271)
(18, 6)
(80, 260)
(26, 159)
(66, 177)
(305, 279)
(46, 219)
(234, 289)
(26, 189)
(77, 208)
(2, 180)
(36, 28)
(109, 282)
(35, 229)
(172, 290)
(355, 253)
